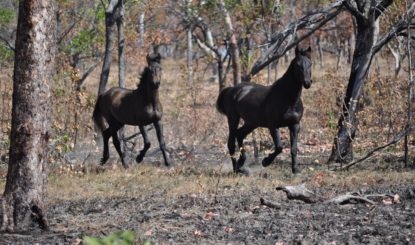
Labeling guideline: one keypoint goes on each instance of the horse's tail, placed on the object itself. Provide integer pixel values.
(219, 102)
(97, 115)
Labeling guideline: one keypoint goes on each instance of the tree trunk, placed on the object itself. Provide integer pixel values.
(121, 59)
(410, 97)
(233, 45)
(26, 185)
(189, 56)
(141, 29)
(362, 57)
(109, 36)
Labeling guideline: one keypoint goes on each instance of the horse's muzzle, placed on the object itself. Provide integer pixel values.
(307, 84)
(156, 84)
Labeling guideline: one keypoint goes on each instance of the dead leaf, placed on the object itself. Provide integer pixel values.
(279, 243)
(387, 201)
(198, 233)
(396, 198)
(209, 215)
(228, 229)
(148, 233)
(77, 241)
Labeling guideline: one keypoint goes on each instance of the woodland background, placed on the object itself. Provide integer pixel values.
(190, 86)
(196, 199)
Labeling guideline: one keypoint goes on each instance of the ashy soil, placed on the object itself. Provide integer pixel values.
(208, 205)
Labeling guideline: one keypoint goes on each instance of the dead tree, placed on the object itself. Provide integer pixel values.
(24, 198)
(366, 13)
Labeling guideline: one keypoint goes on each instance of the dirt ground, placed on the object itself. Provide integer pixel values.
(225, 209)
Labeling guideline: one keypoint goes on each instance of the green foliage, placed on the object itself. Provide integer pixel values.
(117, 238)
(332, 120)
(100, 13)
(6, 54)
(7, 16)
(82, 41)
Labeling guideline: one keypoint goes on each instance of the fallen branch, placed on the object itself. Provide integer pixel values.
(300, 192)
(348, 198)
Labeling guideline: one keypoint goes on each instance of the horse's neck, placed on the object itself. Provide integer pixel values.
(288, 85)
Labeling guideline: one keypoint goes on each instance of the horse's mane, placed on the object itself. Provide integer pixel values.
(143, 77)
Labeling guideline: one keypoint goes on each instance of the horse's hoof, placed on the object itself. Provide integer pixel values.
(296, 170)
(139, 159)
(103, 161)
(243, 171)
(266, 162)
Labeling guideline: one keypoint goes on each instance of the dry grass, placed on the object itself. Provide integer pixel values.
(145, 179)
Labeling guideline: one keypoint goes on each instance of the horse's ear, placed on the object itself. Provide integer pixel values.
(309, 49)
(158, 58)
(148, 58)
(297, 51)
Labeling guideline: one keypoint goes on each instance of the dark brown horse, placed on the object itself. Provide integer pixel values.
(272, 107)
(140, 107)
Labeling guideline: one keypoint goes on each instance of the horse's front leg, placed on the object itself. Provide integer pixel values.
(294, 129)
(147, 144)
(159, 130)
(275, 135)
(117, 145)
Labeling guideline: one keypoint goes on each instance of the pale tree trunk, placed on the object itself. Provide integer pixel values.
(121, 59)
(189, 53)
(24, 198)
(233, 45)
(141, 29)
(189, 56)
(410, 97)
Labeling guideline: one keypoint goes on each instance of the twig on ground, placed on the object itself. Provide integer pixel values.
(269, 204)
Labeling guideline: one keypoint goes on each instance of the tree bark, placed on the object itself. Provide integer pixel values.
(367, 32)
(120, 10)
(233, 45)
(25, 193)
(109, 37)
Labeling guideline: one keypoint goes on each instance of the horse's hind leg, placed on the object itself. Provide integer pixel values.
(241, 134)
(147, 144)
(159, 130)
(106, 134)
(278, 147)
(233, 125)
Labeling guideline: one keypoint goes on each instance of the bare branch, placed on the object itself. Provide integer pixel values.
(310, 22)
(85, 75)
(354, 10)
(8, 44)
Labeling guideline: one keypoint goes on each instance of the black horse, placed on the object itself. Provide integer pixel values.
(272, 107)
(140, 107)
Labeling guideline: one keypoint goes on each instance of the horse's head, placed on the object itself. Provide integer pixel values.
(154, 67)
(303, 64)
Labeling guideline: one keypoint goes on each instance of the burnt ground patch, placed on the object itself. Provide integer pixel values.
(231, 216)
